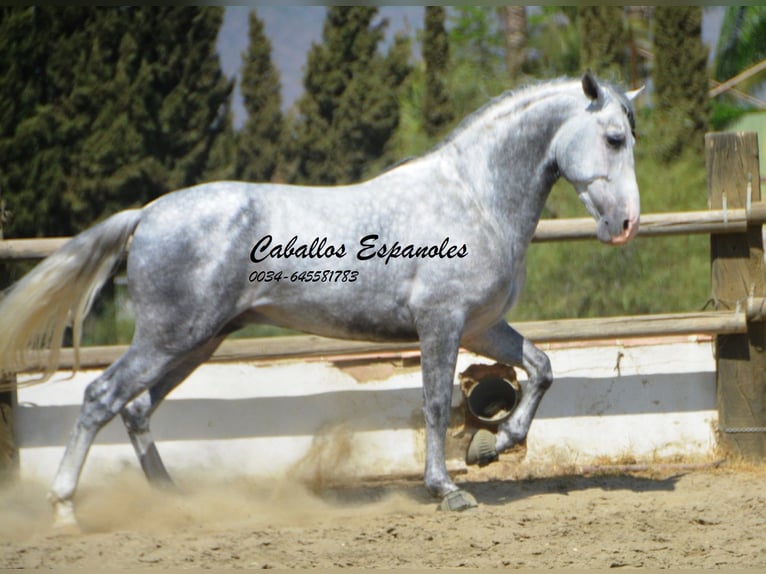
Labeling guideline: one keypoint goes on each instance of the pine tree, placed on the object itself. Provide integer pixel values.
(259, 140)
(349, 109)
(604, 40)
(437, 109)
(682, 108)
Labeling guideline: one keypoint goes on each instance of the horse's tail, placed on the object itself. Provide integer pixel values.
(59, 292)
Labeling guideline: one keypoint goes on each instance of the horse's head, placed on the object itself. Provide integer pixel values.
(594, 152)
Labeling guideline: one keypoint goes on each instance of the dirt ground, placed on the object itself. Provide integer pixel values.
(671, 518)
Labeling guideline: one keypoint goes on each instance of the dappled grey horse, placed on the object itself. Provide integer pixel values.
(431, 250)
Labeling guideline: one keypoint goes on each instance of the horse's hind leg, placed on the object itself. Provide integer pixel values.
(137, 370)
(135, 416)
(137, 413)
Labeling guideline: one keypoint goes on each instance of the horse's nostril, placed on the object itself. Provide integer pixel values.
(626, 225)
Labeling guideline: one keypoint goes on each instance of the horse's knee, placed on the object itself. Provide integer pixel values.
(135, 422)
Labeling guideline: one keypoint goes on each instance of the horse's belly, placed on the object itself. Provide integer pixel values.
(342, 322)
(349, 310)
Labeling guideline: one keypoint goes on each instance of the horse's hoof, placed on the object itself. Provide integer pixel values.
(458, 500)
(482, 449)
(64, 519)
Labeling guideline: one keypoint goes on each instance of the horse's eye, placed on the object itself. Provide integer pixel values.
(615, 140)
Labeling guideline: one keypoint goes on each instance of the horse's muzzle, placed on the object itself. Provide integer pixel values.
(629, 230)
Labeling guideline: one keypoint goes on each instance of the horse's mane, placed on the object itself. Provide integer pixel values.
(530, 91)
(510, 100)
(517, 99)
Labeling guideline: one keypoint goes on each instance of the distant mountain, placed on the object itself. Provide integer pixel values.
(291, 30)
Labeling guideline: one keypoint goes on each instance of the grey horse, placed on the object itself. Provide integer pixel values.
(432, 250)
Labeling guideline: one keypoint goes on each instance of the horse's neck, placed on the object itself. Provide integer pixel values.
(508, 164)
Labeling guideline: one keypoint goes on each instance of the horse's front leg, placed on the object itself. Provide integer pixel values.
(439, 348)
(504, 344)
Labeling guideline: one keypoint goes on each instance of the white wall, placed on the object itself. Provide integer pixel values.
(365, 418)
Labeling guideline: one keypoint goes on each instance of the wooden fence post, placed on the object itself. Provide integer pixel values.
(9, 453)
(737, 272)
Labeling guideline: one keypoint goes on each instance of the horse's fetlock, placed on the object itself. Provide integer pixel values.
(439, 487)
(509, 439)
(546, 381)
(136, 425)
(544, 376)
(135, 419)
(53, 498)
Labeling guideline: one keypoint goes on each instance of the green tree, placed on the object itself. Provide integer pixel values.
(260, 138)
(514, 19)
(42, 56)
(122, 105)
(438, 112)
(682, 108)
(186, 102)
(604, 40)
(349, 109)
(554, 43)
(477, 53)
(742, 42)
(478, 37)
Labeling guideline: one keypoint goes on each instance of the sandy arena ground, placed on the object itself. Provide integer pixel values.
(710, 518)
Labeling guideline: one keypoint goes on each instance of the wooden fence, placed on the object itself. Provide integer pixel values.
(738, 320)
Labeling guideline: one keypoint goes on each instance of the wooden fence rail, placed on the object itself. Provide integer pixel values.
(552, 331)
(735, 223)
(714, 221)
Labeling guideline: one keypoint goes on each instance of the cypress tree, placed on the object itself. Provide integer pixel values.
(437, 109)
(43, 57)
(349, 109)
(477, 57)
(682, 108)
(479, 39)
(368, 111)
(604, 40)
(514, 20)
(259, 140)
(189, 97)
(120, 105)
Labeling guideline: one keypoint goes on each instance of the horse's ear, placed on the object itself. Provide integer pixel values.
(590, 85)
(633, 94)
